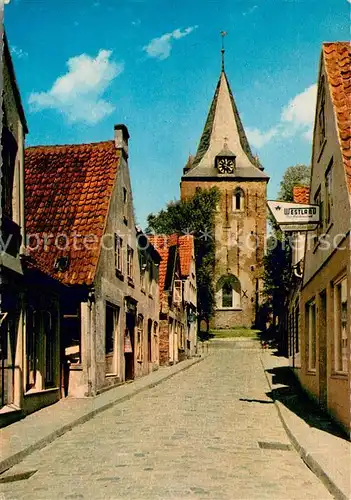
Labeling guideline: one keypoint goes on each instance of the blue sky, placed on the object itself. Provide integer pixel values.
(84, 65)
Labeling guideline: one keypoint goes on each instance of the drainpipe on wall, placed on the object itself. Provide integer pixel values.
(89, 339)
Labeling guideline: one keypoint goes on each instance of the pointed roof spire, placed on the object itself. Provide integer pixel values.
(223, 121)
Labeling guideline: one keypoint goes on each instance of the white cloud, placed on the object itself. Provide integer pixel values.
(18, 52)
(251, 10)
(258, 138)
(296, 119)
(160, 48)
(78, 93)
(298, 115)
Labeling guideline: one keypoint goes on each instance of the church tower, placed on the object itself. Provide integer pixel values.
(224, 159)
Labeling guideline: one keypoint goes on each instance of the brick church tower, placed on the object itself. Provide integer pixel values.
(224, 159)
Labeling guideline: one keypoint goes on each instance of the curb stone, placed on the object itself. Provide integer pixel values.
(309, 460)
(16, 458)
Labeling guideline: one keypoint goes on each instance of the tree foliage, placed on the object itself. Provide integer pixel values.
(194, 216)
(296, 175)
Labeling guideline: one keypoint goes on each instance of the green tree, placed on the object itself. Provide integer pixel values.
(194, 216)
(296, 175)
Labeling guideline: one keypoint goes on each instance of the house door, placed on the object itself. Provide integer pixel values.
(322, 351)
(129, 346)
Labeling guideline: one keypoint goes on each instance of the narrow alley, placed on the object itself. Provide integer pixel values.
(209, 432)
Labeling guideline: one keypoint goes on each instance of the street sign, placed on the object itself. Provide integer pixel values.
(294, 214)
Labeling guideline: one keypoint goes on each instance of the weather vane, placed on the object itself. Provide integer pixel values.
(223, 34)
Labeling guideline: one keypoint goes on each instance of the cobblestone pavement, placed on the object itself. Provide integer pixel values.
(194, 436)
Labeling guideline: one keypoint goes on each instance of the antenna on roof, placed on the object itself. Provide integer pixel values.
(223, 34)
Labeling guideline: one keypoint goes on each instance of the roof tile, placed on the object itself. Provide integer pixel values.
(57, 182)
(337, 60)
(301, 194)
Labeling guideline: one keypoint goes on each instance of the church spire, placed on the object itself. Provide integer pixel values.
(223, 124)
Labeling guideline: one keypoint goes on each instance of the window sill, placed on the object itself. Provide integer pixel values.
(130, 282)
(339, 375)
(311, 371)
(33, 392)
(143, 291)
(119, 275)
(151, 296)
(229, 309)
(321, 150)
(75, 367)
(125, 220)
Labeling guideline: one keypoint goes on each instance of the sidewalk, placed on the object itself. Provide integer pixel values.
(317, 439)
(44, 426)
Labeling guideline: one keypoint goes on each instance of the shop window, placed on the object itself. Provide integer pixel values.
(340, 324)
(50, 330)
(32, 332)
(311, 328)
(111, 328)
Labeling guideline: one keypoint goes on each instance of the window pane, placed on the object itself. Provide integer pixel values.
(227, 295)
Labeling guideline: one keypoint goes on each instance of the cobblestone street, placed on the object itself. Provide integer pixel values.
(196, 435)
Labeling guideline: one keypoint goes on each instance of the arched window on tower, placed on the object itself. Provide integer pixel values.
(238, 200)
(228, 292)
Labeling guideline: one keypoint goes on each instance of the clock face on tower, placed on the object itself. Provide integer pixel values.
(225, 165)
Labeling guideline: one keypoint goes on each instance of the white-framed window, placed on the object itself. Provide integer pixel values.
(328, 193)
(340, 325)
(130, 258)
(228, 294)
(140, 338)
(318, 201)
(238, 200)
(312, 334)
(118, 253)
(177, 291)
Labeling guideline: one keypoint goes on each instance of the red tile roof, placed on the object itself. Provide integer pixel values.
(67, 191)
(162, 244)
(337, 60)
(301, 194)
(186, 248)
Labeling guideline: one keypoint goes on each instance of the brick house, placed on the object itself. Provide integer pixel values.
(177, 284)
(325, 310)
(224, 159)
(81, 232)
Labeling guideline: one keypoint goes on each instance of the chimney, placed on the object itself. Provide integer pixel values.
(121, 139)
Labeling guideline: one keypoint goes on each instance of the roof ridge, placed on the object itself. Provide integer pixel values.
(42, 146)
